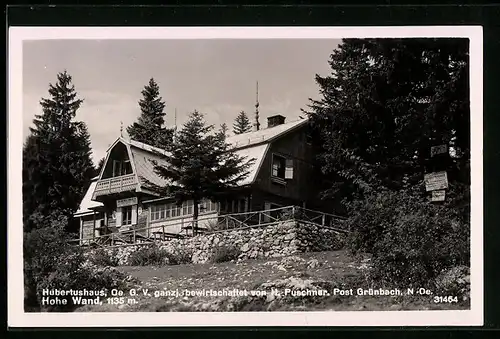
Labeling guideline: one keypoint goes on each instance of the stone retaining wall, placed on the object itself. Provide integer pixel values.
(276, 240)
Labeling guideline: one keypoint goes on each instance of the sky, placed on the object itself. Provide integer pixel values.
(214, 76)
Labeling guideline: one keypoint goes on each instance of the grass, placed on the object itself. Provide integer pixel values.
(336, 268)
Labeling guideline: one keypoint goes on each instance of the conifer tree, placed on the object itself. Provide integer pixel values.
(242, 124)
(201, 165)
(100, 164)
(382, 108)
(57, 165)
(149, 127)
(223, 128)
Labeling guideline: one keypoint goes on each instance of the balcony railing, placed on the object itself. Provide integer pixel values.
(115, 185)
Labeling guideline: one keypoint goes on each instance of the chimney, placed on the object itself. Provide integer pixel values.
(275, 120)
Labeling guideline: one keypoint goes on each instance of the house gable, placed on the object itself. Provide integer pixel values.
(118, 162)
(286, 169)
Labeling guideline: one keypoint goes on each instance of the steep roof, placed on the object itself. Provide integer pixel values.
(143, 159)
(87, 203)
(251, 145)
(265, 135)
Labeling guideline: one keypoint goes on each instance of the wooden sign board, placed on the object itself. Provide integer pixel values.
(436, 181)
(126, 202)
(438, 195)
(435, 150)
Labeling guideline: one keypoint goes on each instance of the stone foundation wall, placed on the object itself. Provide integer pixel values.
(277, 240)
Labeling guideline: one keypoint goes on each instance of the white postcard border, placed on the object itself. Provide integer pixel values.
(18, 318)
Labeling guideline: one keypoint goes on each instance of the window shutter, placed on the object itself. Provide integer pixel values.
(119, 217)
(289, 169)
(134, 214)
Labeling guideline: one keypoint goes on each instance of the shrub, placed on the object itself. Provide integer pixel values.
(51, 263)
(101, 257)
(180, 256)
(225, 253)
(411, 241)
(148, 256)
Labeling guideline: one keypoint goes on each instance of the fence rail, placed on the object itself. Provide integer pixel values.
(217, 224)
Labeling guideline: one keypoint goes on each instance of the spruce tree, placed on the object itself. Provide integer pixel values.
(223, 128)
(100, 164)
(57, 165)
(385, 103)
(201, 165)
(242, 124)
(149, 127)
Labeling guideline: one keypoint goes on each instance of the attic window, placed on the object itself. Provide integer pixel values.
(278, 169)
(121, 168)
(282, 168)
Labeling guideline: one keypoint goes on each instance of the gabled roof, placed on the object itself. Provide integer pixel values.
(87, 203)
(265, 135)
(137, 144)
(141, 155)
(143, 159)
(251, 145)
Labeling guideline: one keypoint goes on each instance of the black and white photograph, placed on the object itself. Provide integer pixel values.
(245, 176)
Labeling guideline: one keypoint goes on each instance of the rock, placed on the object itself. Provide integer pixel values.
(455, 280)
(245, 247)
(313, 263)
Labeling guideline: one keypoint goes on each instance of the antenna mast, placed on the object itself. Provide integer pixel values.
(175, 119)
(257, 124)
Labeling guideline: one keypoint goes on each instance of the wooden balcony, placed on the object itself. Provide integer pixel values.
(115, 185)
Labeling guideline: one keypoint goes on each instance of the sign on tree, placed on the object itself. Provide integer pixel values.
(440, 149)
(438, 195)
(436, 181)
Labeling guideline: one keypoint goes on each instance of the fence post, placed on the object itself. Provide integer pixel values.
(227, 223)
(163, 232)
(260, 216)
(134, 236)
(293, 212)
(323, 220)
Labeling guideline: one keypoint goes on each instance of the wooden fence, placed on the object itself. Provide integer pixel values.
(220, 223)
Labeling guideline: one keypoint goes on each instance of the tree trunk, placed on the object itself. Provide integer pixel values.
(195, 216)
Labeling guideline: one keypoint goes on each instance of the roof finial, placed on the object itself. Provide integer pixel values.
(257, 124)
(121, 129)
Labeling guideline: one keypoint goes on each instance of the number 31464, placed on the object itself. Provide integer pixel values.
(447, 299)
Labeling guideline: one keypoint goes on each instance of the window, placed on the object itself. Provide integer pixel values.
(127, 215)
(278, 168)
(282, 168)
(187, 207)
(121, 168)
(162, 211)
(159, 212)
(176, 210)
(204, 206)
